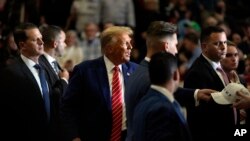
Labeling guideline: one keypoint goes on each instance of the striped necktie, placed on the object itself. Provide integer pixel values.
(116, 105)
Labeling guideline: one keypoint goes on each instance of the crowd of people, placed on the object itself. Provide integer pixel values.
(104, 75)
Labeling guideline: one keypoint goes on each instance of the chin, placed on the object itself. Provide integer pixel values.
(126, 59)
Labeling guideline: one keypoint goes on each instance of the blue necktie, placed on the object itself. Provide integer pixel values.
(45, 89)
(178, 110)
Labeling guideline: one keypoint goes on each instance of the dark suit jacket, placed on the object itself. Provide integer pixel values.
(155, 119)
(137, 87)
(58, 85)
(209, 120)
(86, 105)
(58, 88)
(23, 116)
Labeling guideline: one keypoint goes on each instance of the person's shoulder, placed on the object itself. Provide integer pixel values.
(91, 62)
(131, 64)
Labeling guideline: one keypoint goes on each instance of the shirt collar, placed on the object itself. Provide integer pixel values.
(164, 91)
(49, 58)
(147, 59)
(110, 65)
(215, 65)
(30, 63)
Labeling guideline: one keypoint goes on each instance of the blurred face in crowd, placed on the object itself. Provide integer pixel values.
(71, 38)
(60, 44)
(231, 61)
(33, 46)
(215, 48)
(91, 31)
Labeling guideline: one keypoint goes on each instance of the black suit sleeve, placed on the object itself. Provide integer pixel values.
(185, 96)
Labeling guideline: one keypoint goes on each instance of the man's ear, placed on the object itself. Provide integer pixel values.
(176, 75)
(21, 44)
(166, 46)
(54, 43)
(203, 46)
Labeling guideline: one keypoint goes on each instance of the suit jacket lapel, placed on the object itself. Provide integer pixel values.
(102, 74)
(48, 68)
(125, 73)
(211, 71)
(25, 70)
(144, 63)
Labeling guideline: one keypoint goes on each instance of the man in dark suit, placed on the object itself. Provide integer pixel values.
(86, 110)
(156, 116)
(161, 36)
(24, 114)
(210, 120)
(54, 44)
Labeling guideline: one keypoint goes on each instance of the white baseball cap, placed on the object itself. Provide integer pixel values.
(228, 94)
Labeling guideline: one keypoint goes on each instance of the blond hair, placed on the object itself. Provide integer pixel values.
(108, 36)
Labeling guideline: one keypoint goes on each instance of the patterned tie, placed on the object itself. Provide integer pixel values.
(45, 89)
(116, 106)
(226, 81)
(55, 67)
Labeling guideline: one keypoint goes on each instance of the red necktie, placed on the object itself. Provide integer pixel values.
(116, 106)
(226, 80)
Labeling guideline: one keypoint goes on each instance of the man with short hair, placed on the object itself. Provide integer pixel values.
(158, 116)
(54, 44)
(210, 120)
(26, 105)
(161, 36)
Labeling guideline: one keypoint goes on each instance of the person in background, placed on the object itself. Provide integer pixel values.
(72, 53)
(83, 12)
(118, 12)
(229, 65)
(26, 106)
(161, 36)
(210, 120)
(158, 115)
(243, 103)
(9, 52)
(89, 111)
(90, 42)
(246, 74)
(54, 44)
(192, 46)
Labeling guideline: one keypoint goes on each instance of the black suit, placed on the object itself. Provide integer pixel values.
(58, 87)
(138, 85)
(209, 120)
(23, 115)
